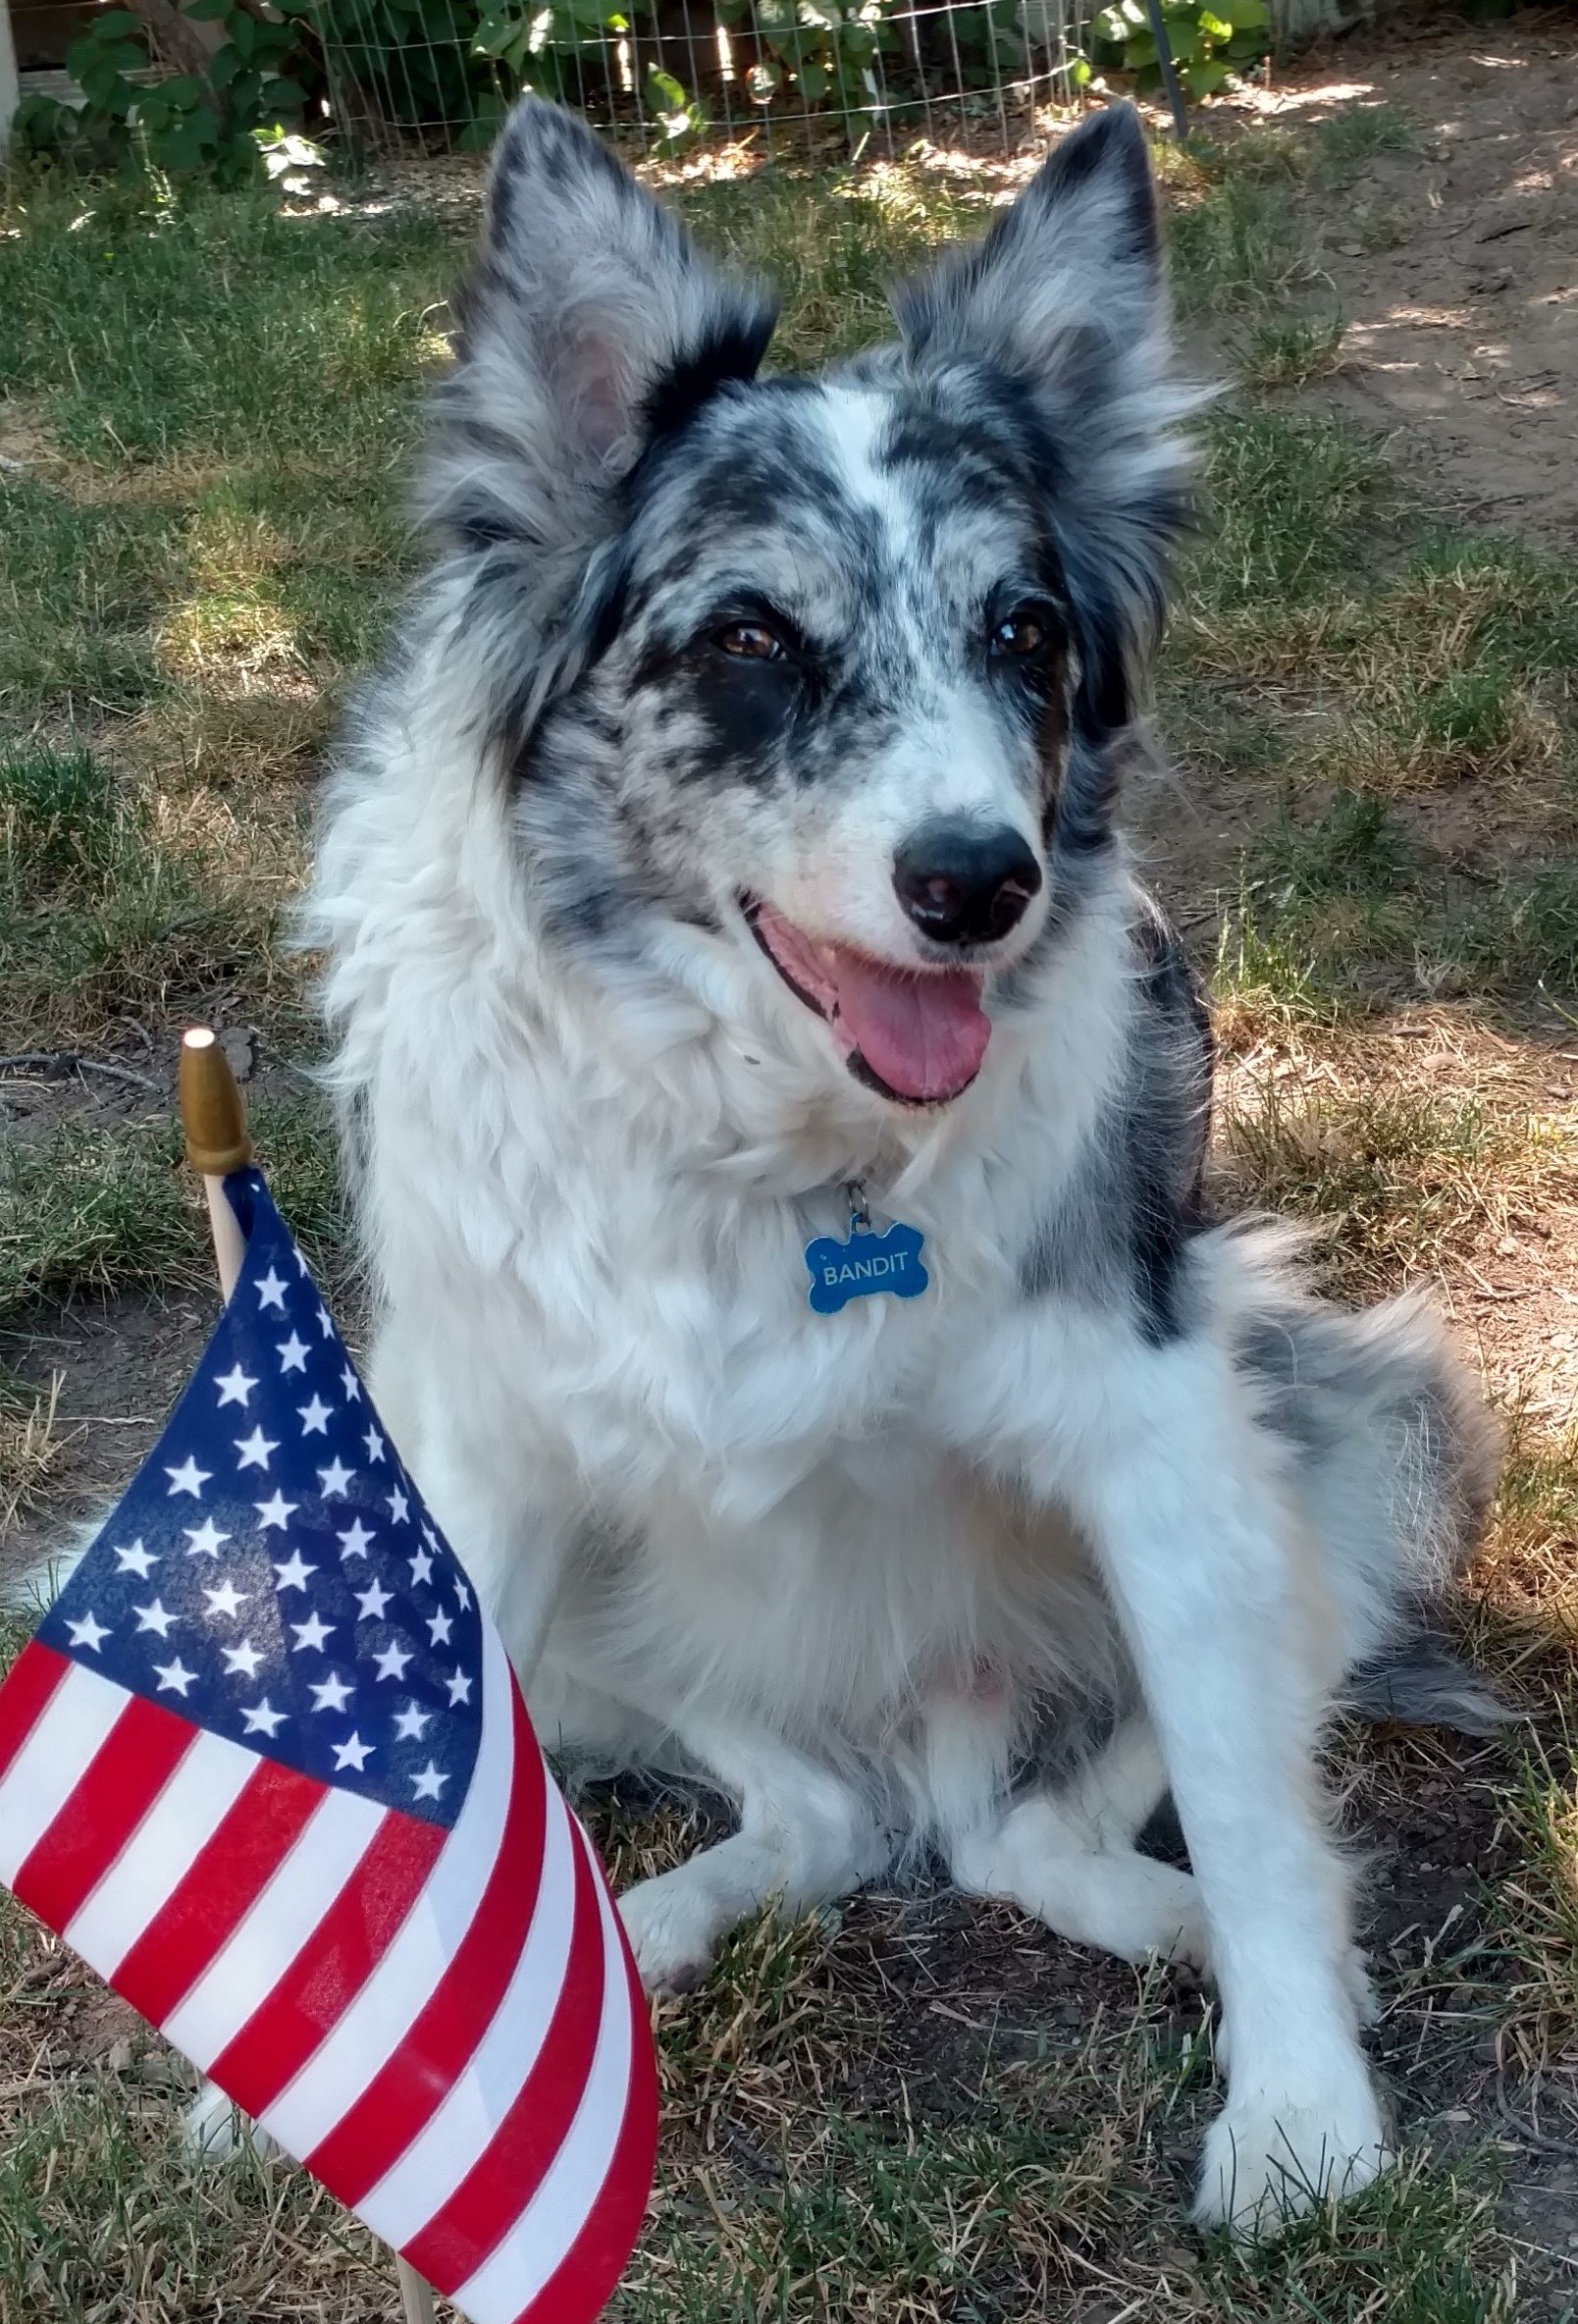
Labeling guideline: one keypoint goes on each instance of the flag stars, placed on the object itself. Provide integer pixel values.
(203, 1541)
(352, 1753)
(371, 1601)
(310, 1634)
(271, 1291)
(334, 1480)
(325, 1321)
(174, 1679)
(390, 1663)
(255, 1449)
(88, 1632)
(421, 1568)
(136, 1559)
(235, 1386)
(226, 1599)
(459, 1686)
(356, 1543)
(188, 1478)
(314, 1418)
(241, 1661)
(351, 1386)
(293, 1574)
(399, 1509)
(263, 1720)
(331, 1695)
(293, 1353)
(463, 1597)
(439, 1628)
(429, 1783)
(413, 1724)
(375, 1445)
(154, 1618)
(275, 1511)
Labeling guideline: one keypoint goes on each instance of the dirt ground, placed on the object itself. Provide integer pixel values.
(1456, 265)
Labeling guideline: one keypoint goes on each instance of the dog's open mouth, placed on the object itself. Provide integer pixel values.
(917, 1036)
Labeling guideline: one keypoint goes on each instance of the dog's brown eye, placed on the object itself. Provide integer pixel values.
(748, 641)
(1020, 636)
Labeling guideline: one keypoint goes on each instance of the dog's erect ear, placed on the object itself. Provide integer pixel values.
(590, 320)
(1067, 294)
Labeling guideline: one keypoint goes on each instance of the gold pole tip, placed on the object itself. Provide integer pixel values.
(212, 1114)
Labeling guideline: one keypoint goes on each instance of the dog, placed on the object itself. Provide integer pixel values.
(727, 864)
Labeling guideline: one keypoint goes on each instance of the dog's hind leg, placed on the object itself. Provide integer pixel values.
(1065, 1855)
(804, 1838)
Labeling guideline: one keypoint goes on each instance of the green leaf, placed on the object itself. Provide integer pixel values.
(1140, 50)
(812, 81)
(1215, 27)
(1203, 79)
(1244, 16)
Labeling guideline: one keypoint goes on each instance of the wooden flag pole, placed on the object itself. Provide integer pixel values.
(214, 1120)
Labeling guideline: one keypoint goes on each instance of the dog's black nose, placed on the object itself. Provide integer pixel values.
(966, 883)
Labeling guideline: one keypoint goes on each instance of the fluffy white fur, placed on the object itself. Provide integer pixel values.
(840, 1567)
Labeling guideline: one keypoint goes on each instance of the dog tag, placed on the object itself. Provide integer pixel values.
(864, 1263)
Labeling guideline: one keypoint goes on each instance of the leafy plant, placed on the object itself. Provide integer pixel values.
(203, 122)
(1209, 44)
(826, 48)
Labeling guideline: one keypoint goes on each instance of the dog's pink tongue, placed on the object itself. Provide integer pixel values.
(923, 1036)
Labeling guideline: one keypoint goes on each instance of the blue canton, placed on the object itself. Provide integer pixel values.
(272, 1573)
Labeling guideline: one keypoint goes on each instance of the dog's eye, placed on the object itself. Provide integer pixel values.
(1021, 635)
(748, 641)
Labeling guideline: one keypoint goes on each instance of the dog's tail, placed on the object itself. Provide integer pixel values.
(1397, 1457)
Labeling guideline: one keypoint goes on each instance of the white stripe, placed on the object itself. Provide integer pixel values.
(203, 1787)
(435, 2163)
(380, 2016)
(45, 1771)
(263, 1945)
(516, 2270)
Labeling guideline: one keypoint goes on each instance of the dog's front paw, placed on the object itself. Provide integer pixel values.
(1269, 2158)
(672, 1923)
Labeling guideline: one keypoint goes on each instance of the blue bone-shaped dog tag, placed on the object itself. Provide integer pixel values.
(864, 1264)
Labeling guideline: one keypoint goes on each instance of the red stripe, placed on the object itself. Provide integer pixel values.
(221, 1884)
(103, 1809)
(34, 1675)
(583, 2283)
(410, 2085)
(333, 1965)
(489, 2198)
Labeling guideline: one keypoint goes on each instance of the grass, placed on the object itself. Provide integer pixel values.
(911, 2110)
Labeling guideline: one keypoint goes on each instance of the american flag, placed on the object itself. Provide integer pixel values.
(265, 1766)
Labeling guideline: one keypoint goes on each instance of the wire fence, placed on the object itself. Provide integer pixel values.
(807, 76)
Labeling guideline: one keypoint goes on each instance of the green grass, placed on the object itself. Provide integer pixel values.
(90, 1209)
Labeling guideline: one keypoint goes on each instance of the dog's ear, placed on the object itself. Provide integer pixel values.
(1066, 295)
(590, 320)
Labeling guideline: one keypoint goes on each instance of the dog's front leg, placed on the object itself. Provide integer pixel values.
(1156, 1453)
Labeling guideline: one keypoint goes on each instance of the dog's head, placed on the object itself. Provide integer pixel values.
(831, 670)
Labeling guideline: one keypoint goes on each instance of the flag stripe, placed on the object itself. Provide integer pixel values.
(333, 1965)
(34, 1675)
(583, 2283)
(73, 1723)
(192, 1804)
(532, 2127)
(388, 2046)
(268, 1937)
(226, 1876)
(109, 1800)
(568, 2194)
(458, 2130)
